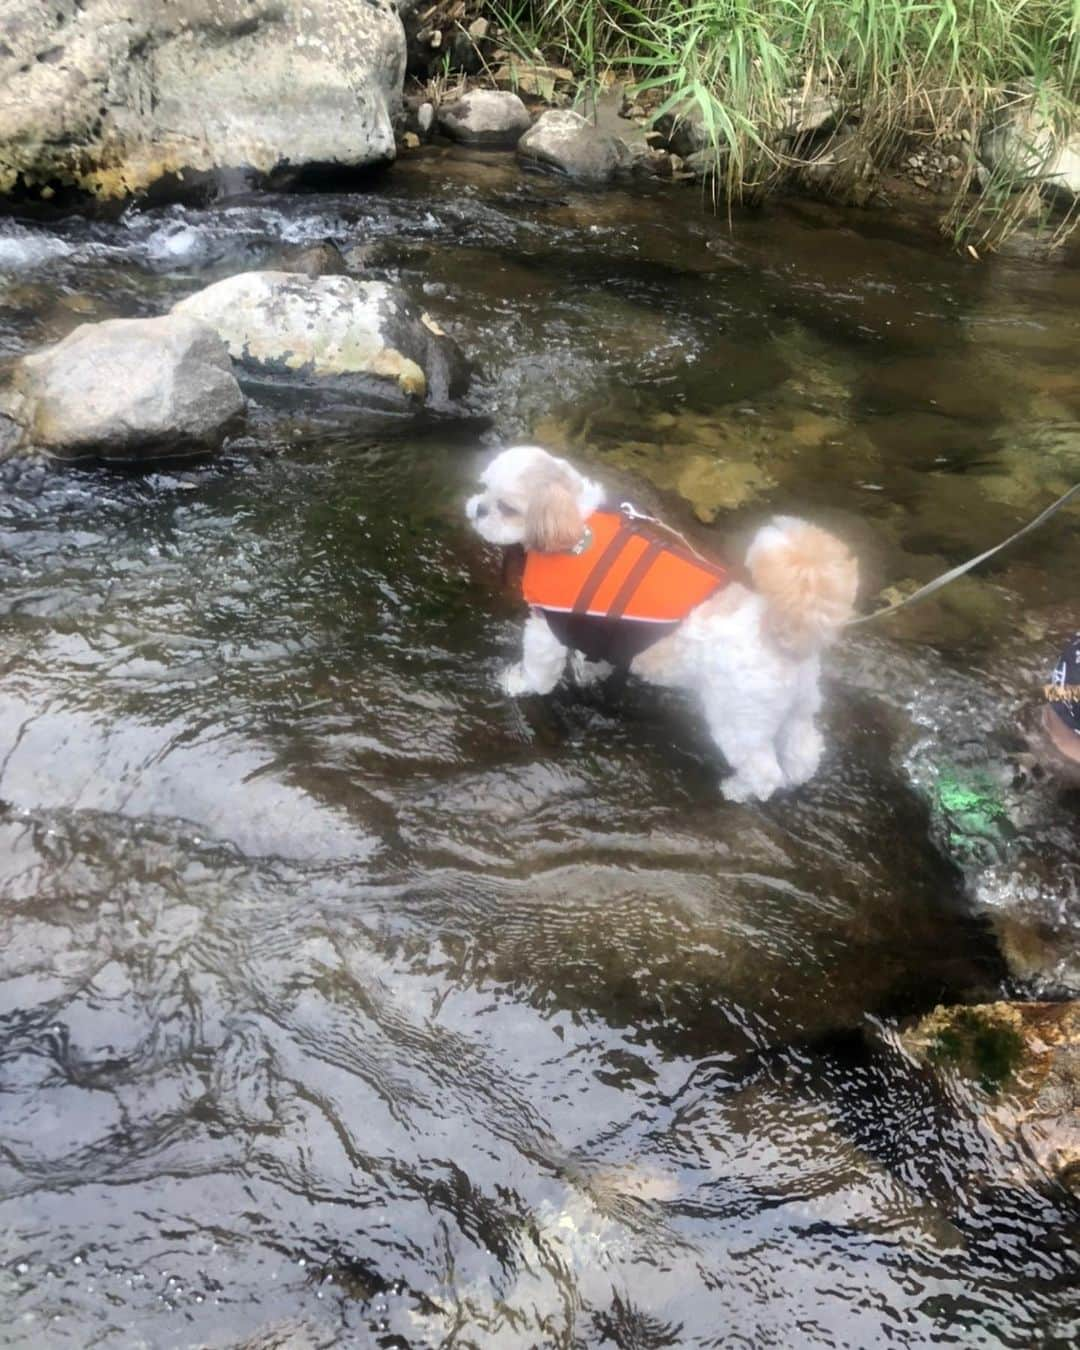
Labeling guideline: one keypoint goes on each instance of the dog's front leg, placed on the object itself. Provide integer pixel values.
(543, 659)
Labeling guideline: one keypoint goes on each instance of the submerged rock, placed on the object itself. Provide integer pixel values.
(998, 810)
(112, 95)
(1033, 905)
(715, 485)
(324, 327)
(1021, 1065)
(489, 117)
(568, 143)
(125, 389)
(324, 259)
(935, 385)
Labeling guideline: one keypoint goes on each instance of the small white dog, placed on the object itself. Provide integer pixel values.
(750, 653)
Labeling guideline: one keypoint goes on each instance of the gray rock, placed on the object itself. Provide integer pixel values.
(802, 113)
(843, 165)
(491, 117)
(112, 95)
(684, 133)
(809, 111)
(603, 109)
(702, 164)
(565, 141)
(127, 390)
(327, 327)
(313, 260)
(1022, 145)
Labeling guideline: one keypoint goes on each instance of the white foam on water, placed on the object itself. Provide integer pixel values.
(182, 240)
(311, 229)
(178, 242)
(22, 249)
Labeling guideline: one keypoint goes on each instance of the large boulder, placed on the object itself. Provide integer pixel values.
(125, 390)
(112, 95)
(1018, 1064)
(365, 332)
(495, 118)
(569, 143)
(806, 111)
(1022, 145)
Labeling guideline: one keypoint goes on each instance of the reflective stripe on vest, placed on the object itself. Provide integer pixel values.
(623, 573)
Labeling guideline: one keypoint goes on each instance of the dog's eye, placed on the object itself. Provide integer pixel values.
(507, 509)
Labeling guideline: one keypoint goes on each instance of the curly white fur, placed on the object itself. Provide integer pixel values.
(751, 656)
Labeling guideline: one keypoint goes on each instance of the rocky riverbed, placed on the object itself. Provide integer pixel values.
(345, 1001)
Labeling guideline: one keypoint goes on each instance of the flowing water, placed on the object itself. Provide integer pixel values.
(343, 1001)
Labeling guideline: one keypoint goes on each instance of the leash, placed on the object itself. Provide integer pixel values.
(954, 572)
(632, 513)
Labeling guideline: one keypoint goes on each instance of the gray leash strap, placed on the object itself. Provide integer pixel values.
(953, 573)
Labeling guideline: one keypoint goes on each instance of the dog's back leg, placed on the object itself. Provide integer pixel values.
(745, 731)
(800, 743)
(585, 672)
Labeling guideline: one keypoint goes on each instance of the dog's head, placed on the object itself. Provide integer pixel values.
(531, 498)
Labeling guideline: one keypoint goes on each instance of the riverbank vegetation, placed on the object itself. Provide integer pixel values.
(838, 89)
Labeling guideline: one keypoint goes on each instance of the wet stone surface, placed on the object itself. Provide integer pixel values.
(343, 1001)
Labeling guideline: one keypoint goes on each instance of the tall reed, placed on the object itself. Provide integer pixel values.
(893, 69)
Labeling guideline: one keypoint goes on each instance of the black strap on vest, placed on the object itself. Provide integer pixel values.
(658, 542)
(602, 567)
(634, 578)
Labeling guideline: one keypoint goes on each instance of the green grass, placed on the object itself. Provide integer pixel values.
(899, 70)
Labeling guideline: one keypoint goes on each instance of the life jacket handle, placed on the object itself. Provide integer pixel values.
(630, 511)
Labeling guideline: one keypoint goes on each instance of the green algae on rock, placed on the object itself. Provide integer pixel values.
(1023, 1061)
(331, 326)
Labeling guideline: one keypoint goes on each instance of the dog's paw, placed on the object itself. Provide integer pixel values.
(513, 682)
(801, 755)
(752, 787)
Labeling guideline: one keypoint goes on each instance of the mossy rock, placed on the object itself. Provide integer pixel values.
(984, 1043)
(1023, 1060)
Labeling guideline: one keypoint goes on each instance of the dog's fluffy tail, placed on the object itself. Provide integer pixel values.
(808, 579)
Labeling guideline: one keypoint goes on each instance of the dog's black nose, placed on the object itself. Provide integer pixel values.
(481, 511)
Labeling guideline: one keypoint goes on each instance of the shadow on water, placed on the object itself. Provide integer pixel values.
(342, 1001)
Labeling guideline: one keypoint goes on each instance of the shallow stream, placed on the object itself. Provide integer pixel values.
(343, 1001)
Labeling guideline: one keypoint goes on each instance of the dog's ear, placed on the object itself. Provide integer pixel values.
(553, 520)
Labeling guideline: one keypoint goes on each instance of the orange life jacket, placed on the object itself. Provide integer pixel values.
(627, 587)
